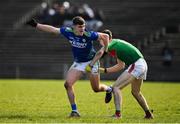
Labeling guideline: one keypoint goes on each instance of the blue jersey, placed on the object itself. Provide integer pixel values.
(82, 46)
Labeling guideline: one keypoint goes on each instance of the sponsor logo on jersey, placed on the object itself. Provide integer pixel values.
(78, 44)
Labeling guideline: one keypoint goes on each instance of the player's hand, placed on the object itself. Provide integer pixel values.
(32, 23)
(88, 68)
(102, 70)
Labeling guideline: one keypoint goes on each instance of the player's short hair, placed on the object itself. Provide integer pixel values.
(78, 20)
(108, 32)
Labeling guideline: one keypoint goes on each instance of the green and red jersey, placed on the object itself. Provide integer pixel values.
(124, 51)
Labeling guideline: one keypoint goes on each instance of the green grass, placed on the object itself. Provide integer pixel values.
(46, 101)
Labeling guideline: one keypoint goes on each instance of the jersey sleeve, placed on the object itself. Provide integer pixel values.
(63, 31)
(94, 35)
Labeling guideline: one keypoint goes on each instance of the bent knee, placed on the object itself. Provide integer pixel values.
(96, 90)
(67, 85)
(115, 89)
(135, 93)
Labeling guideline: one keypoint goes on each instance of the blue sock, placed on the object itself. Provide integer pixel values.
(109, 89)
(74, 107)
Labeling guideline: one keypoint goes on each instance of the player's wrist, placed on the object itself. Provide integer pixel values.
(32, 23)
(90, 65)
(105, 70)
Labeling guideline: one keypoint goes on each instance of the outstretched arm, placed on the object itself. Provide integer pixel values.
(42, 27)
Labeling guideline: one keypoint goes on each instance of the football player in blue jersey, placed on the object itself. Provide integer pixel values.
(83, 51)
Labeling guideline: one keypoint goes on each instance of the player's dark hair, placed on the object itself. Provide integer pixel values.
(108, 32)
(78, 20)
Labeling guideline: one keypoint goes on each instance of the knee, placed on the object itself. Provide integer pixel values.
(96, 90)
(135, 93)
(67, 85)
(115, 89)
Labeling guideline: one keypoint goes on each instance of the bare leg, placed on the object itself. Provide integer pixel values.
(136, 91)
(136, 87)
(95, 83)
(72, 76)
(117, 98)
(124, 79)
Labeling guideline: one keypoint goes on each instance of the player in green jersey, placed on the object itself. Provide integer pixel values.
(126, 55)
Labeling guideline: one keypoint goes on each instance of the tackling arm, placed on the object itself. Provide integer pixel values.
(120, 65)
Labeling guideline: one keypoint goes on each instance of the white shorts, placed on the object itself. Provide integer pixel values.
(138, 69)
(82, 65)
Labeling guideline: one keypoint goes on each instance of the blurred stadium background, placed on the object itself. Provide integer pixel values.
(28, 53)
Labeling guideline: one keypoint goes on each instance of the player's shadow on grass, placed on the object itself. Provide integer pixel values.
(25, 117)
(14, 116)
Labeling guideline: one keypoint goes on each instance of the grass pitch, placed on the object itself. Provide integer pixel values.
(45, 101)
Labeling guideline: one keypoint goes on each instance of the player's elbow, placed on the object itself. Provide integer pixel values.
(120, 66)
(106, 36)
(106, 39)
(123, 66)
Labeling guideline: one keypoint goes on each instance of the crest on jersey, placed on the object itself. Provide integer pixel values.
(84, 40)
(112, 53)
